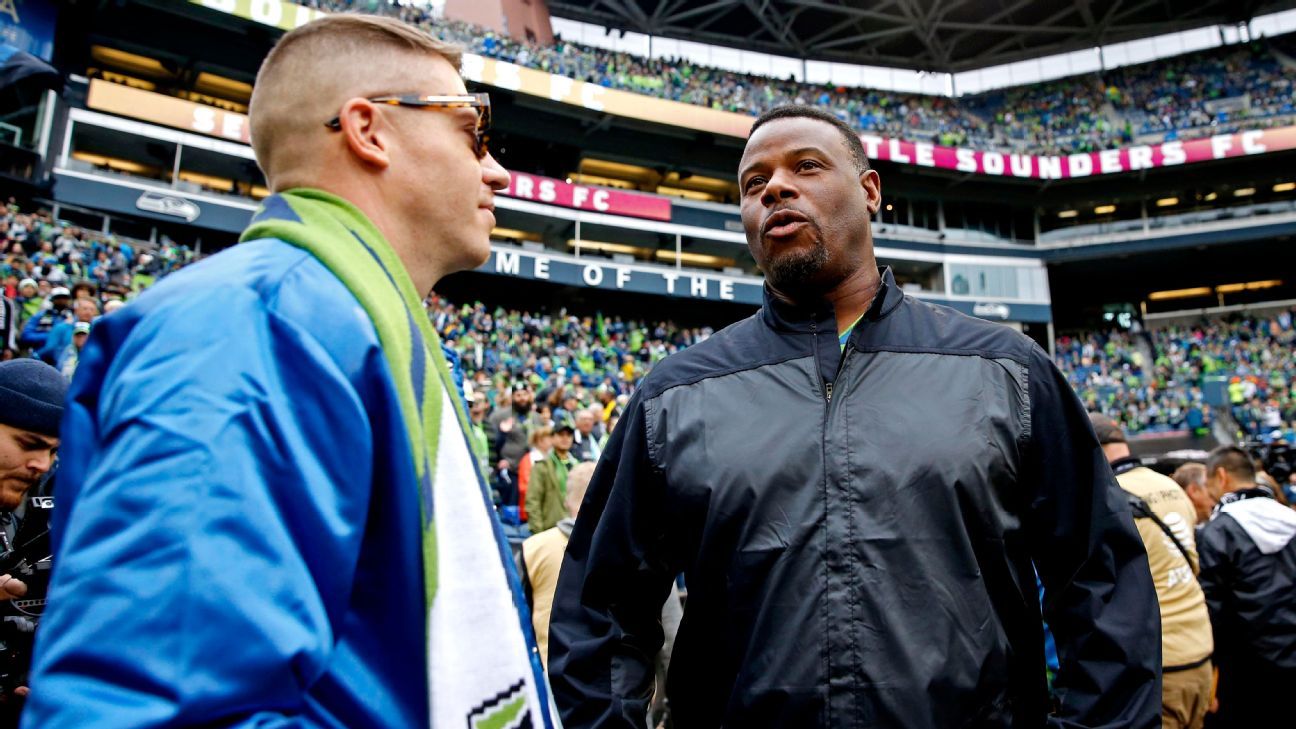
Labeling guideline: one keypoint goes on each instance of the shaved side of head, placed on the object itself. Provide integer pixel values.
(316, 68)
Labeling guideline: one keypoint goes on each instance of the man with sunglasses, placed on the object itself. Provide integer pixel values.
(269, 510)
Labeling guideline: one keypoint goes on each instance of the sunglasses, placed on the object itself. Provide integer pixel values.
(478, 101)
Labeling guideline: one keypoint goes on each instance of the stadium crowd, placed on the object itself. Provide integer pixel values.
(1254, 354)
(572, 363)
(1199, 94)
(58, 278)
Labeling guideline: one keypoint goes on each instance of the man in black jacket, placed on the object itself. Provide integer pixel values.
(1248, 572)
(859, 487)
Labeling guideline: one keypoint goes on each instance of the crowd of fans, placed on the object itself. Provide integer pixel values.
(1252, 358)
(1256, 357)
(1176, 98)
(58, 279)
(1111, 376)
(56, 276)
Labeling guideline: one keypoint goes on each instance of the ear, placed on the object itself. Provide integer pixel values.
(872, 184)
(365, 132)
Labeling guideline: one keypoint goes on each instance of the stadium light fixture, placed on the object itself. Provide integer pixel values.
(1068, 213)
(1166, 202)
(595, 245)
(890, 207)
(697, 259)
(1233, 288)
(1284, 187)
(1180, 293)
(1104, 209)
(1210, 196)
(1244, 192)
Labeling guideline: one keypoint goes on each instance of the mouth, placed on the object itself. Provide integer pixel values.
(784, 223)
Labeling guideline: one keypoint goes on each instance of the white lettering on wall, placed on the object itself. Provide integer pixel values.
(726, 290)
(965, 160)
(924, 154)
(1220, 145)
(1140, 157)
(507, 262)
(1172, 153)
(896, 154)
(1109, 161)
(1251, 142)
(560, 87)
(992, 163)
(1080, 165)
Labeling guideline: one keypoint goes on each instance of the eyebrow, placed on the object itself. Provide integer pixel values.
(791, 153)
(35, 440)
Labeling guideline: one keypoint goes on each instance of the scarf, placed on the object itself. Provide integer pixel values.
(482, 666)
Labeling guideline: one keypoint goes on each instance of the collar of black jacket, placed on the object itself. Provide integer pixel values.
(1123, 465)
(785, 316)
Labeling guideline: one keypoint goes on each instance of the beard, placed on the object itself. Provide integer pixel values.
(799, 269)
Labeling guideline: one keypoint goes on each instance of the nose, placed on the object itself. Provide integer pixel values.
(779, 187)
(41, 463)
(493, 173)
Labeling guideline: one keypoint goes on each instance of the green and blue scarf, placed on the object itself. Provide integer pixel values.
(483, 670)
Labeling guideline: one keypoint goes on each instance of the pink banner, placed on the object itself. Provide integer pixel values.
(584, 197)
(1086, 164)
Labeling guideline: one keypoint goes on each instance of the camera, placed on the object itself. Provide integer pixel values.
(26, 557)
(1278, 460)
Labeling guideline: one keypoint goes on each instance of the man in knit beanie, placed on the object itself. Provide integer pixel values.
(31, 406)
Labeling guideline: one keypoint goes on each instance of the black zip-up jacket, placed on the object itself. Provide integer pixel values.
(859, 534)
(1248, 572)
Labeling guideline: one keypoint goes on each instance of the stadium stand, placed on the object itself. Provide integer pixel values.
(1190, 96)
(557, 350)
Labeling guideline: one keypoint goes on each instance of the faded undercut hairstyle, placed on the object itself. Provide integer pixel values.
(326, 62)
(793, 111)
(1235, 462)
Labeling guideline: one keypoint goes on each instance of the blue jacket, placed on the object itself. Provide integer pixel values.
(60, 336)
(237, 539)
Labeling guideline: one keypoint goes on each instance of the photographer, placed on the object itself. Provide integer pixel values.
(31, 406)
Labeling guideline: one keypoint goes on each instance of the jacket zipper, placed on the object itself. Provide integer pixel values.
(841, 363)
(826, 386)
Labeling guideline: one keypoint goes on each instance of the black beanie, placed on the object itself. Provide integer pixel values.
(31, 396)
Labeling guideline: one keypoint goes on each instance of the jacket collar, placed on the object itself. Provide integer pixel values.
(783, 316)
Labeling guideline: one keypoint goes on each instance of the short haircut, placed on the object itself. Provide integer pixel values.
(793, 111)
(329, 60)
(540, 432)
(1235, 461)
(1190, 474)
(577, 481)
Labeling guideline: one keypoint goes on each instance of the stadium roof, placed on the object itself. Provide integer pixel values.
(928, 35)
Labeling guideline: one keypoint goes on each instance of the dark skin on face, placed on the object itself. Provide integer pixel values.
(806, 210)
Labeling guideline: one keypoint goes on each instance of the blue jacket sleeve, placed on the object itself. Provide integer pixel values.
(213, 493)
(1099, 599)
(58, 340)
(32, 336)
